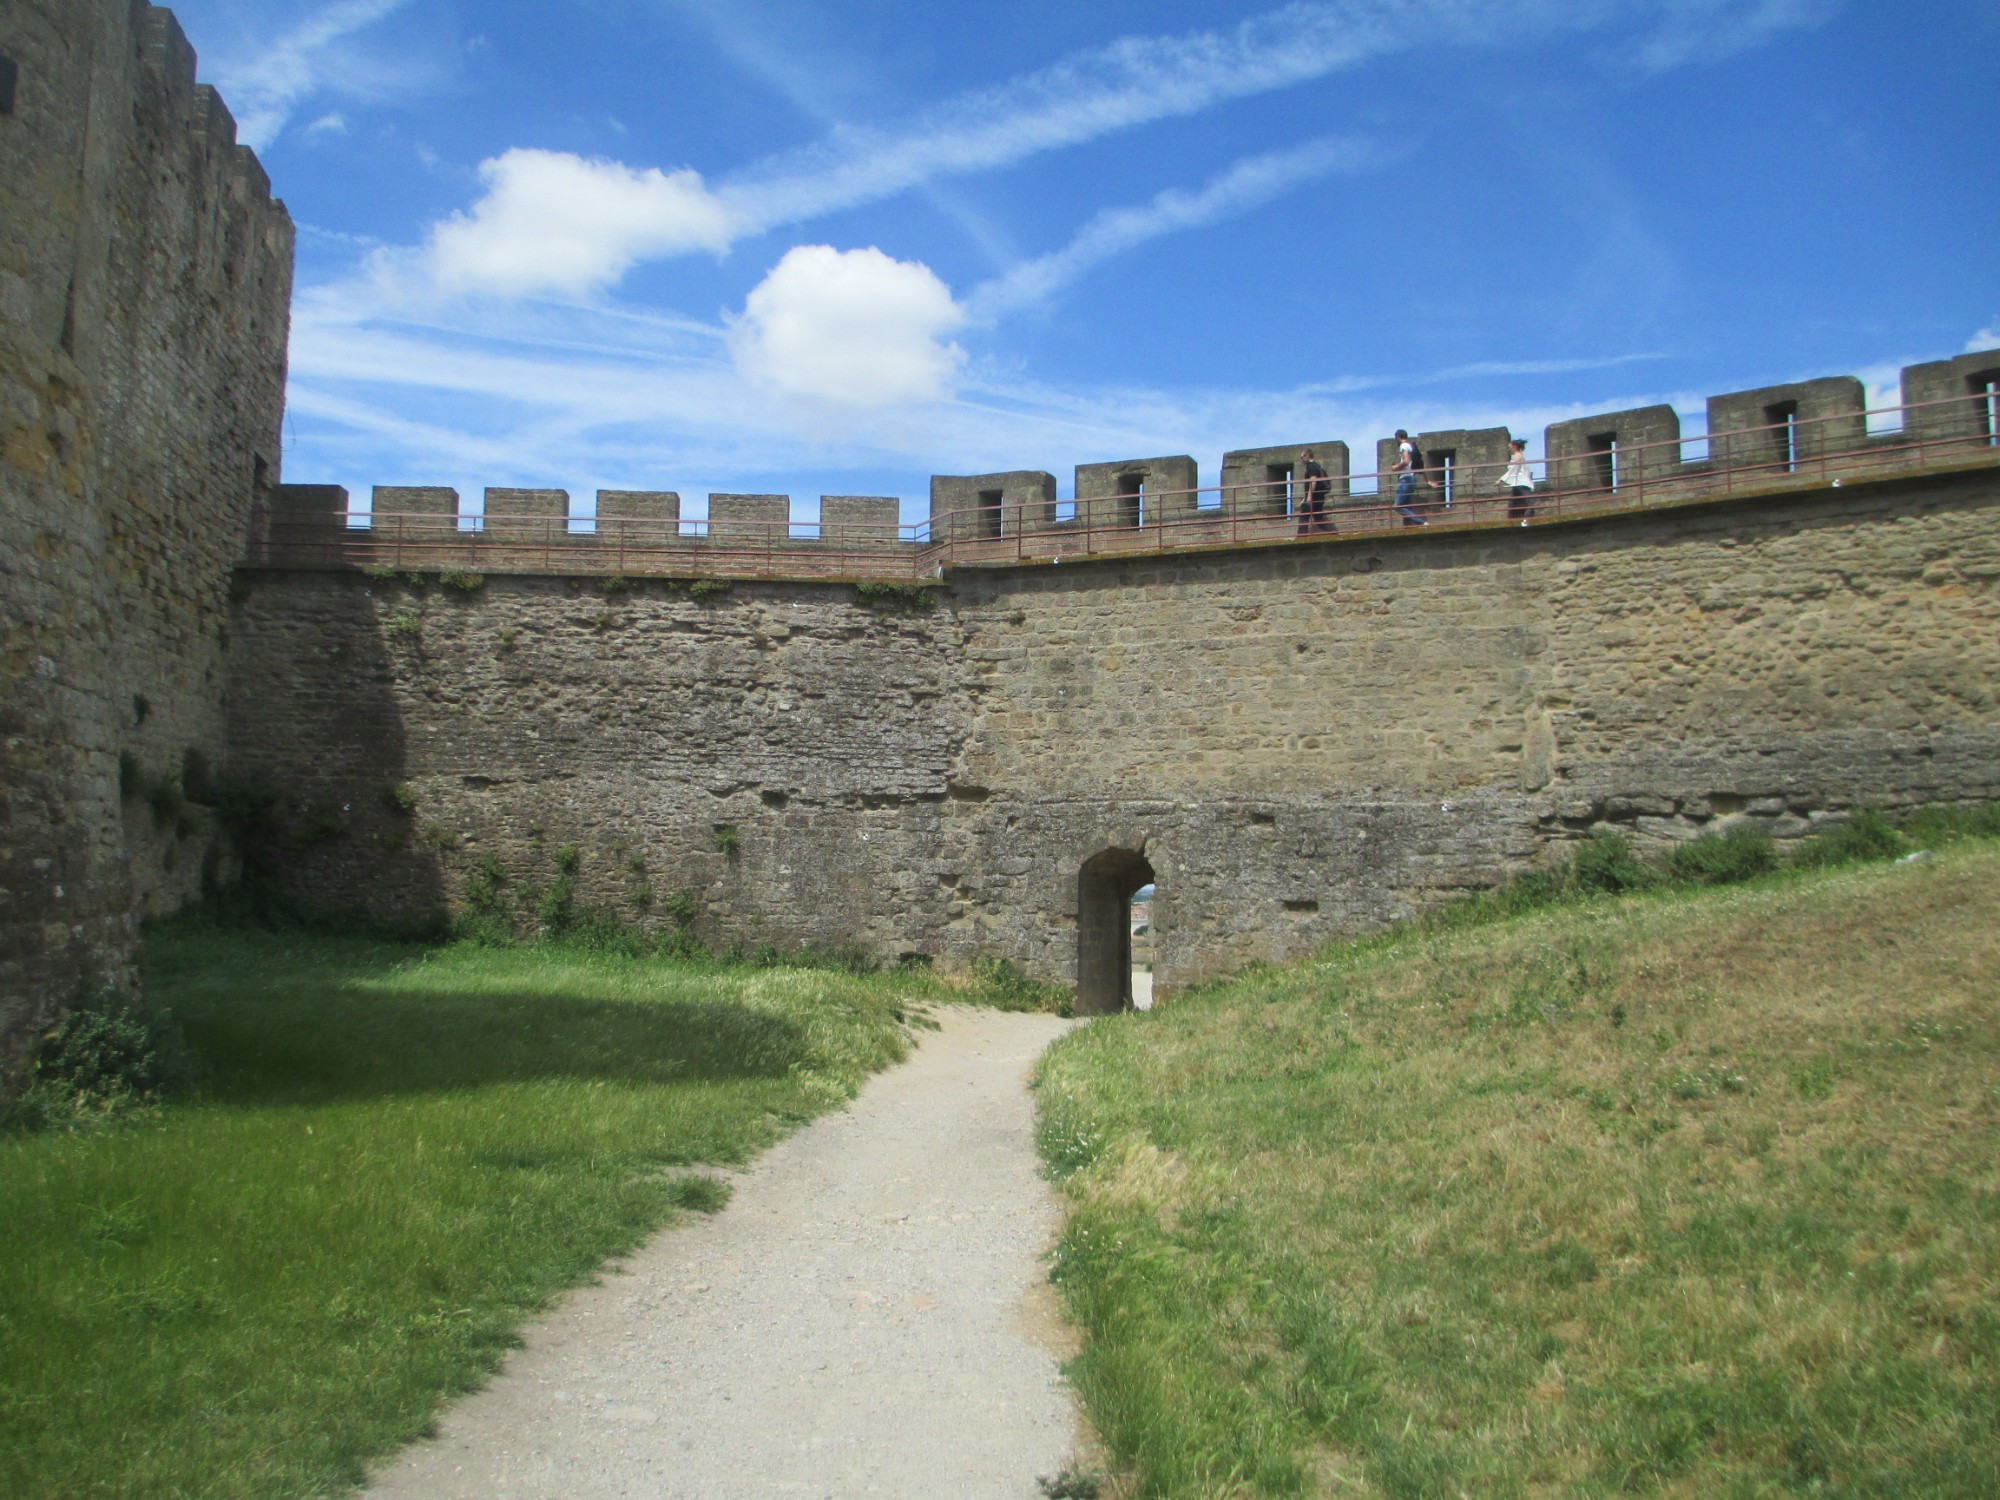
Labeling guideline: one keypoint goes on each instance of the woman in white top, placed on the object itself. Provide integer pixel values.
(1518, 482)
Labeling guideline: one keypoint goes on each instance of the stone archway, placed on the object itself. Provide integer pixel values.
(1104, 888)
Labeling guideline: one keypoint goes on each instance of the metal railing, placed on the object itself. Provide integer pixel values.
(1798, 453)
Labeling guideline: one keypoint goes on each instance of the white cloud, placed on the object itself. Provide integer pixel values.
(328, 124)
(1695, 31)
(1986, 338)
(263, 90)
(849, 328)
(1248, 184)
(553, 222)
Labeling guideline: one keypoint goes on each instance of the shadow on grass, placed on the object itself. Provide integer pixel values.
(320, 1026)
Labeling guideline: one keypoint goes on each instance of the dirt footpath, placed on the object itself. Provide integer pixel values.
(868, 1317)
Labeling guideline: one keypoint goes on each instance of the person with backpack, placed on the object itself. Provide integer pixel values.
(1312, 505)
(1409, 465)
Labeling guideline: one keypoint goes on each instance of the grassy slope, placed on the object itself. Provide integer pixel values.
(1692, 1194)
(395, 1159)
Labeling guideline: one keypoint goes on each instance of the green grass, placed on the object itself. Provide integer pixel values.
(394, 1156)
(1691, 1192)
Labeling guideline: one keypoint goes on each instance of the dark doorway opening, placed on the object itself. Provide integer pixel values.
(1783, 421)
(1603, 457)
(1132, 500)
(1104, 890)
(1278, 488)
(992, 505)
(1986, 392)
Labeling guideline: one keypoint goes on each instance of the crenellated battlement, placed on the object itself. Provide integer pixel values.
(1772, 439)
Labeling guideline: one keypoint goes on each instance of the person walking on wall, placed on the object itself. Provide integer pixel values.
(1518, 482)
(1312, 506)
(1409, 463)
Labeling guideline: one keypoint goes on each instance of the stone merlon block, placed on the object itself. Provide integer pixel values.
(1614, 450)
(969, 506)
(1133, 491)
(1782, 424)
(213, 119)
(761, 518)
(527, 515)
(1964, 385)
(410, 510)
(860, 520)
(638, 505)
(308, 501)
(1261, 481)
(167, 51)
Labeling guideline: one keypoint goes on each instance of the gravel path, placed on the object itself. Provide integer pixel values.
(869, 1316)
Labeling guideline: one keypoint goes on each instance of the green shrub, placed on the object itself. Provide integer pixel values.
(108, 1054)
(707, 588)
(1723, 858)
(1006, 986)
(1930, 827)
(464, 582)
(682, 907)
(401, 797)
(1865, 835)
(1605, 862)
(726, 839)
(616, 583)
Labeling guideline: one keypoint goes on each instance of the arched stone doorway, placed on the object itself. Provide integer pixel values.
(1104, 888)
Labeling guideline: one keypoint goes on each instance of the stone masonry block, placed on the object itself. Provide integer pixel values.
(761, 519)
(1617, 450)
(415, 510)
(1965, 386)
(966, 507)
(1265, 481)
(1786, 425)
(851, 521)
(1135, 492)
(514, 515)
(638, 518)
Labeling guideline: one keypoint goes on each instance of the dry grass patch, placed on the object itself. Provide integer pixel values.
(1673, 1194)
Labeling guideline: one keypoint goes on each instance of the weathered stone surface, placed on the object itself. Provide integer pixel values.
(144, 287)
(1298, 743)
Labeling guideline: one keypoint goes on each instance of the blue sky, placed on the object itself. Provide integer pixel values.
(762, 245)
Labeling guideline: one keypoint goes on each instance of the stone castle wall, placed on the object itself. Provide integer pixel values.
(1298, 742)
(144, 294)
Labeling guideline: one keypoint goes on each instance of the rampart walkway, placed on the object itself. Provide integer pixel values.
(1622, 469)
(862, 1320)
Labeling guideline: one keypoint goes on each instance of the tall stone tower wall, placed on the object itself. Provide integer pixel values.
(145, 280)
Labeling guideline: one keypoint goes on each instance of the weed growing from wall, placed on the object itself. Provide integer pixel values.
(708, 588)
(109, 1055)
(901, 598)
(727, 840)
(462, 581)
